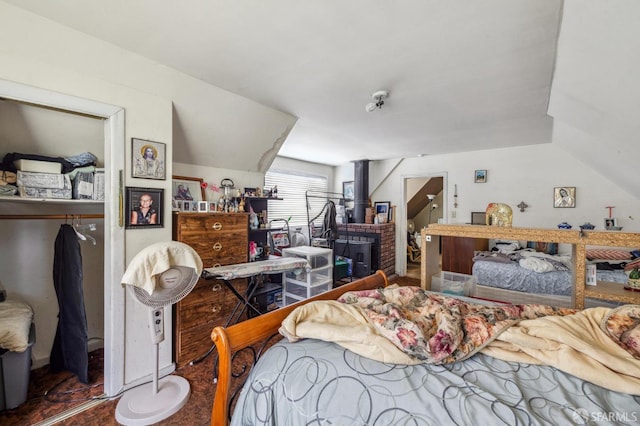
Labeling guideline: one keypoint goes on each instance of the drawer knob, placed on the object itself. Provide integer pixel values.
(217, 246)
(217, 226)
(216, 309)
(216, 287)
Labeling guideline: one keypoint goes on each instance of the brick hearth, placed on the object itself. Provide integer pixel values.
(386, 234)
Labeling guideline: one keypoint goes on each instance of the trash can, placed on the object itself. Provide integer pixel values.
(15, 369)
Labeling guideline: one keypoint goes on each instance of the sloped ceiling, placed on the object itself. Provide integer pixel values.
(462, 75)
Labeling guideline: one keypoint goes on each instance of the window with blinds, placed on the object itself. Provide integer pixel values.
(292, 187)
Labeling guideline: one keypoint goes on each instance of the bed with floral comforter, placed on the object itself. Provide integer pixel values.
(402, 355)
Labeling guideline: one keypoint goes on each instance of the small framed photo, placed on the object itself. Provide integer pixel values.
(348, 190)
(202, 207)
(610, 223)
(148, 159)
(564, 197)
(213, 206)
(480, 176)
(186, 206)
(144, 208)
(382, 210)
(187, 189)
(478, 218)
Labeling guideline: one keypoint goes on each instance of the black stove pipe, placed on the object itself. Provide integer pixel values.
(360, 189)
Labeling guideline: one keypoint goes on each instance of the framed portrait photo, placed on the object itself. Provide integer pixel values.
(382, 210)
(184, 188)
(564, 197)
(148, 159)
(480, 176)
(144, 208)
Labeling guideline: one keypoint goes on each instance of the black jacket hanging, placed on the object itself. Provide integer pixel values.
(70, 347)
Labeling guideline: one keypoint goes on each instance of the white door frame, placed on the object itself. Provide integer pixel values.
(114, 248)
(403, 213)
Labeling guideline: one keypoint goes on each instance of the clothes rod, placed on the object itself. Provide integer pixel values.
(52, 216)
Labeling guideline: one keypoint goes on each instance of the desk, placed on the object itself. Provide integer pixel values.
(251, 270)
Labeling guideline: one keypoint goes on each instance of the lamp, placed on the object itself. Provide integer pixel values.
(379, 98)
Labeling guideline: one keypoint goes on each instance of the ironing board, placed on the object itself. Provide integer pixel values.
(251, 270)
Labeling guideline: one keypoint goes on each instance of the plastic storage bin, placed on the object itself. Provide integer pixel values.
(301, 284)
(454, 283)
(15, 369)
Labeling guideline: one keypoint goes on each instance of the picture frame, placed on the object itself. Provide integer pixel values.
(382, 210)
(348, 191)
(249, 192)
(564, 197)
(148, 159)
(610, 222)
(478, 218)
(202, 207)
(213, 206)
(186, 188)
(480, 176)
(145, 208)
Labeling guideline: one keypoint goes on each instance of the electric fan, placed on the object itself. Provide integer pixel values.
(411, 226)
(160, 275)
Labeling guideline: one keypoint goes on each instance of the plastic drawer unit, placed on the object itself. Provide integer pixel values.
(300, 284)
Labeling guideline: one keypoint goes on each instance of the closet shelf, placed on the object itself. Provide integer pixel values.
(20, 206)
(15, 199)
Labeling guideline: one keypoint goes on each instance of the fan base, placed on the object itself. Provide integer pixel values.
(139, 406)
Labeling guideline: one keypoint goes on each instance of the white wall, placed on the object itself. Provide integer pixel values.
(526, 174)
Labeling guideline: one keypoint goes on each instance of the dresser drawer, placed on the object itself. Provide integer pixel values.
(210, 300)
(212, 223)
(194, 342)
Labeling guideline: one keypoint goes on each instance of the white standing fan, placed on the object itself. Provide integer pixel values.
(155, 401)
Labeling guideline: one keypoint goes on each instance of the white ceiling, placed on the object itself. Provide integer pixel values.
(462, 75)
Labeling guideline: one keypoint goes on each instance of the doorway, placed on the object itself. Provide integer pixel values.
(424, 201)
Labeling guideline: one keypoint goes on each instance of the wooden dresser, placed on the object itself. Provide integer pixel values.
(219, 239)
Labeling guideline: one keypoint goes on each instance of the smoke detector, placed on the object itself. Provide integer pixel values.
(378, 98)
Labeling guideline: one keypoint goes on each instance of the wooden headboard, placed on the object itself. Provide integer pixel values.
(257, 331)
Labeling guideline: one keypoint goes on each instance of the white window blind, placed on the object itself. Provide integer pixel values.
(292, 187)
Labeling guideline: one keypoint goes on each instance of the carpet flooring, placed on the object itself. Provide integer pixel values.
(51, 394)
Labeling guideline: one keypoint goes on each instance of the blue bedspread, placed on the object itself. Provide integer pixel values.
(313, 382)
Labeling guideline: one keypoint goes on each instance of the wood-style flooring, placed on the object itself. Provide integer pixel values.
(51, 394)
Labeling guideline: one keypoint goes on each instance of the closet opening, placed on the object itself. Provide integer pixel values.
(39, 121)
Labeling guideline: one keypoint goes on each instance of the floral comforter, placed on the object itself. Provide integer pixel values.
(437, 329)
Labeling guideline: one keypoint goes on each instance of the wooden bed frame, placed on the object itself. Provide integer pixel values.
(257, 332)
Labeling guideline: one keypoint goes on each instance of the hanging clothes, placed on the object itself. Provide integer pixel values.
(329, 224)
(70, 348)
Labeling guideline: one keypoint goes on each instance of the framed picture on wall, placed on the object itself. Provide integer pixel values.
(148, 159)
(564, 197)
(144, 208)
(348, 190)
(480, 176)
(186, 188)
